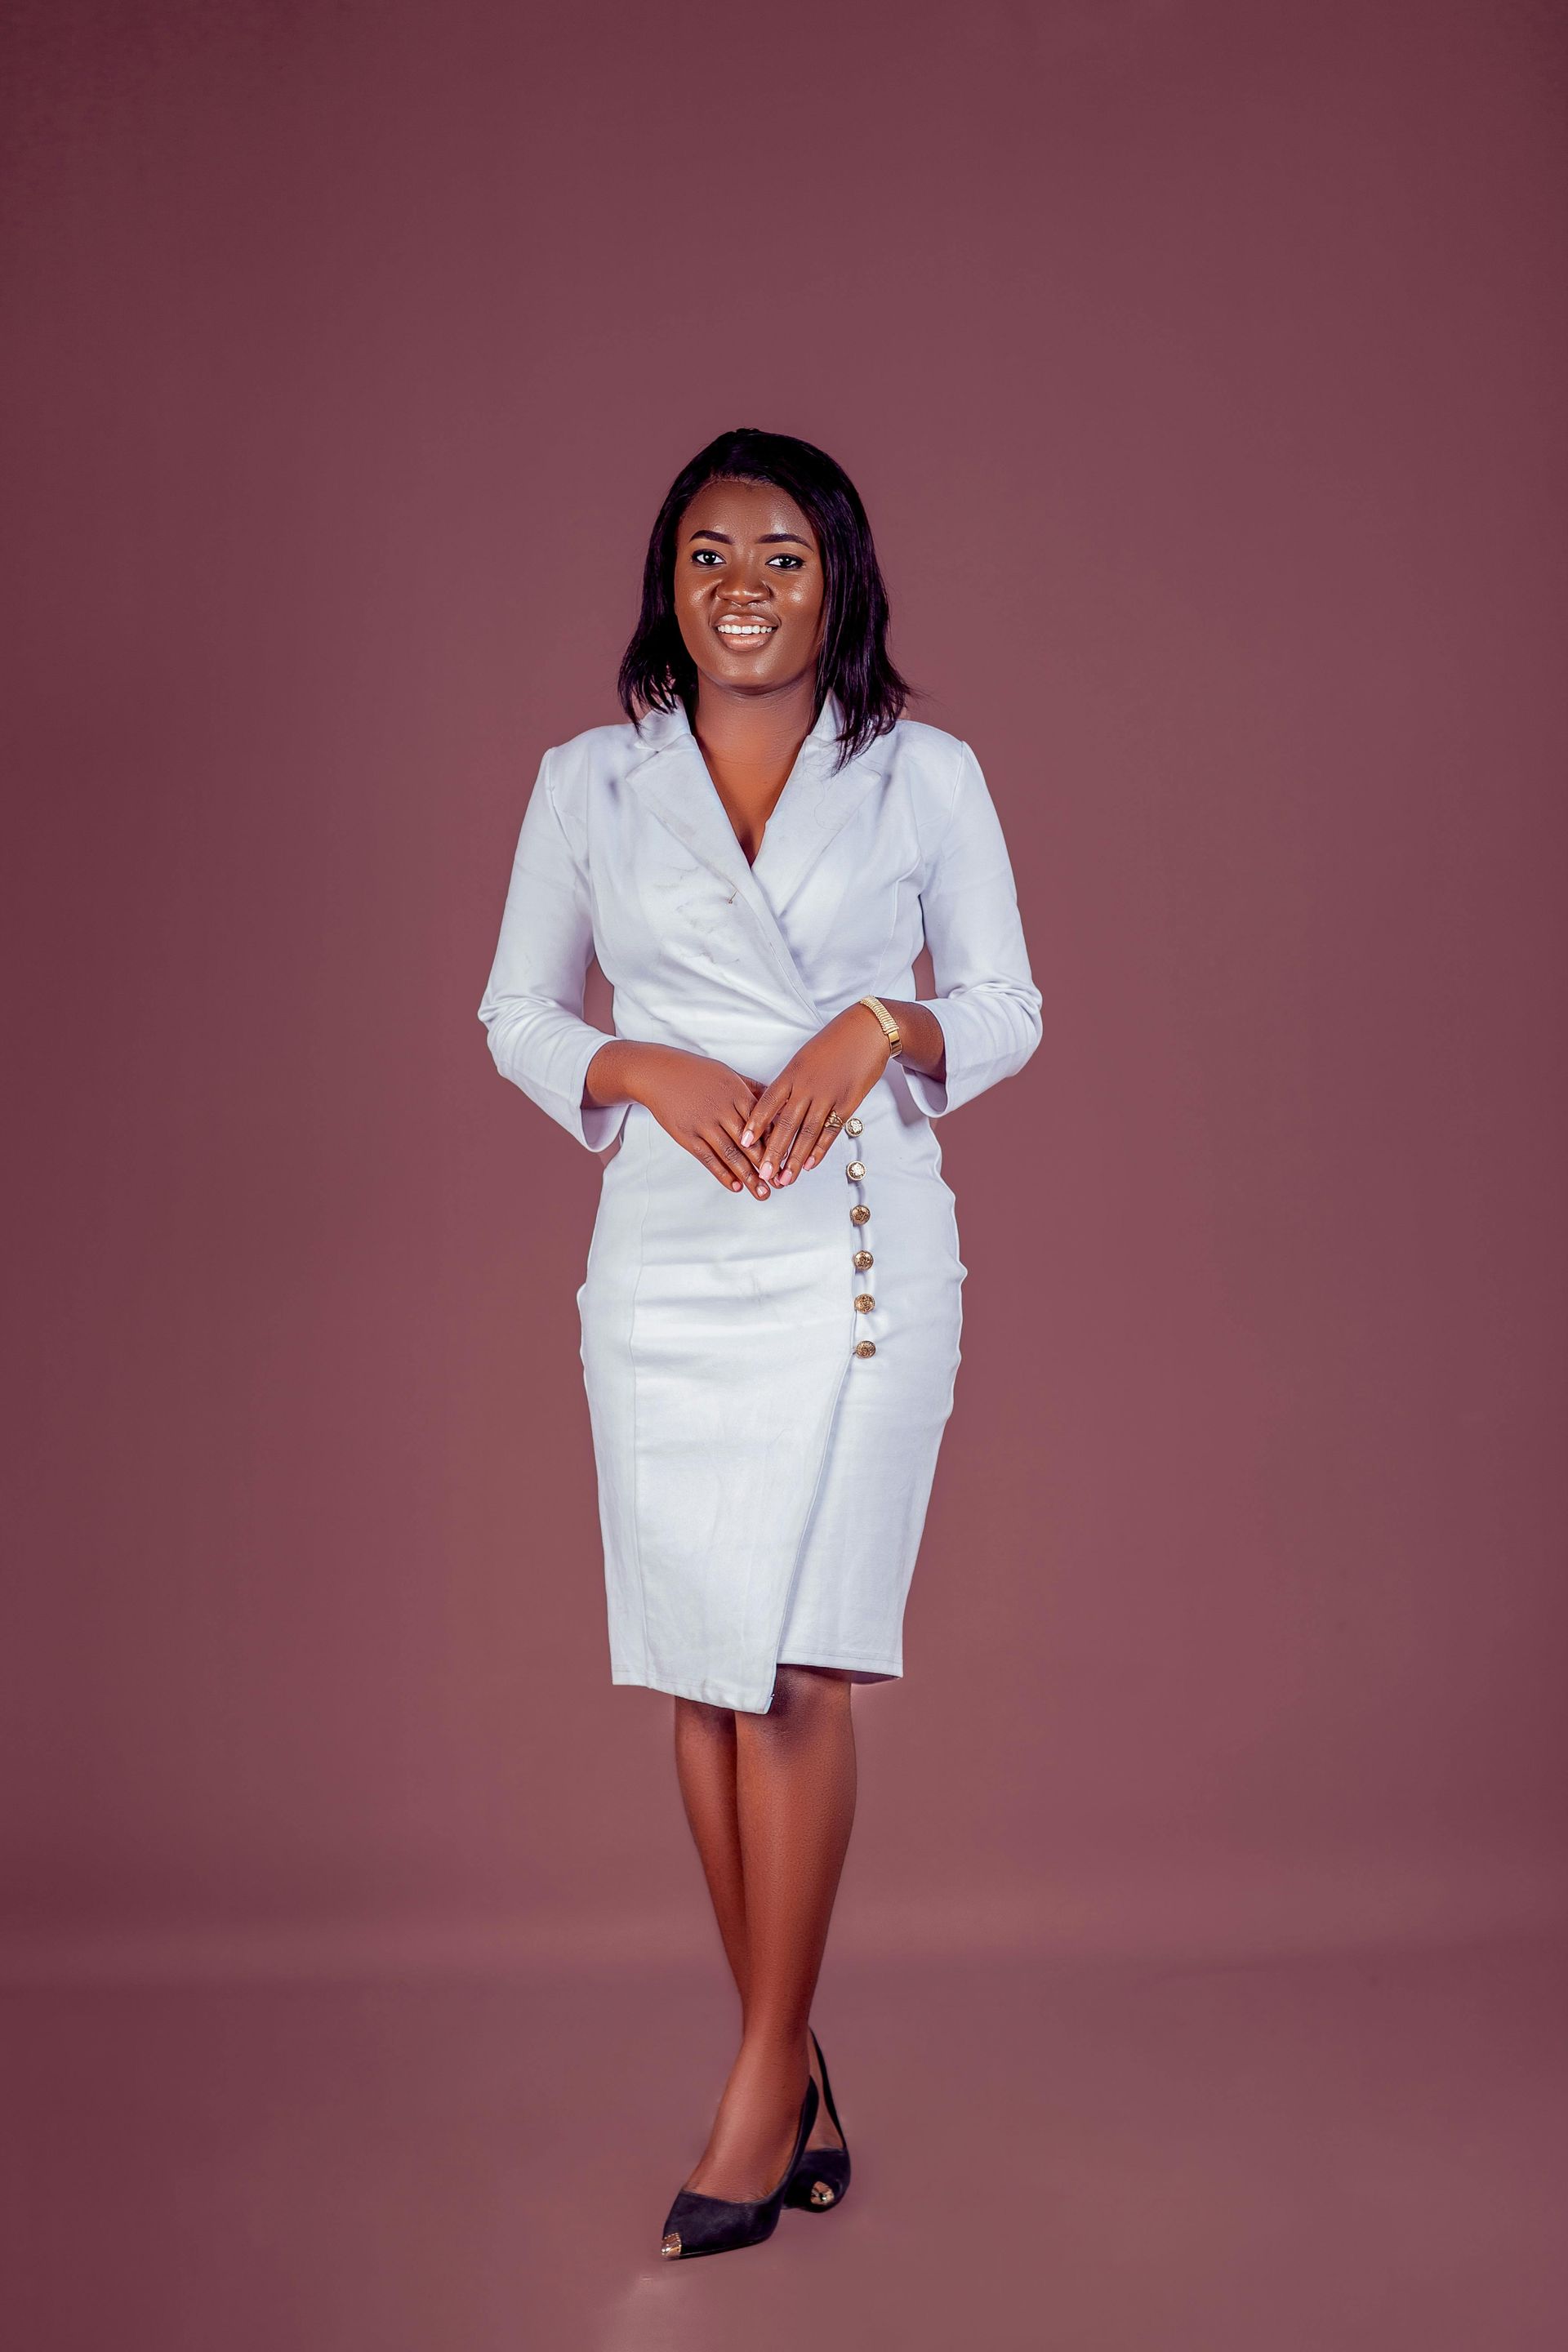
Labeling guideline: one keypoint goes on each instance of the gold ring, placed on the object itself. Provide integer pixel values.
(833, 1119)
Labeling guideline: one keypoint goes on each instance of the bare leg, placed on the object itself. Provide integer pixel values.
(705, 1764)
(793, 1806)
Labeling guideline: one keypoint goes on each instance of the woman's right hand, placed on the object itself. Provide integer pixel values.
(704, 1105)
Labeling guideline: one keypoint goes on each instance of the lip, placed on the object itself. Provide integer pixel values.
(743, 631)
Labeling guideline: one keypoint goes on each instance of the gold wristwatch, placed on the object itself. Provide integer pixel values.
(889, 1026)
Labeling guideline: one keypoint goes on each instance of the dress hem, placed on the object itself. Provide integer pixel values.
(863, 1669)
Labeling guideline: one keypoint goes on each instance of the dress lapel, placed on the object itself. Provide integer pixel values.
(815, 806)
(672, 777)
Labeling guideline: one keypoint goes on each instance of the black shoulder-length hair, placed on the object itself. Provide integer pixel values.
(853, 664)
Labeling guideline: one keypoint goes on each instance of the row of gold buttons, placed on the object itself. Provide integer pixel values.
(860, 1216)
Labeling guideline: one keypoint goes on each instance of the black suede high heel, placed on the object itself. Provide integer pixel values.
(712, 2225)
(821, 2176)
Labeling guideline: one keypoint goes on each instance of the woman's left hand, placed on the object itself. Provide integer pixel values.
(834, 1072)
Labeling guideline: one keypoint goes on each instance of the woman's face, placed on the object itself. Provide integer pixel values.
(749, 587)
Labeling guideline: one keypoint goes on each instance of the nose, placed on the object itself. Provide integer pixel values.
(748, 582)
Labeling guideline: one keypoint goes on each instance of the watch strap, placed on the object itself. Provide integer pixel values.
(889, 1026)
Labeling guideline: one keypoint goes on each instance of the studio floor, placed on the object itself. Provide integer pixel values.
(1308, 2154)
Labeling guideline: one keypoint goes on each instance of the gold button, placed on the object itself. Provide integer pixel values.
(863, 1259)
(859, 1215)
(856, 1170)
(853, 1125)
(865, 1346)
(864, 1303)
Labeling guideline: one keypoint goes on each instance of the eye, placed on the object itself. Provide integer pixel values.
(706, 555)
(790, 562)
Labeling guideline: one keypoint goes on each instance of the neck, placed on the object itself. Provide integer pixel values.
(756, 733)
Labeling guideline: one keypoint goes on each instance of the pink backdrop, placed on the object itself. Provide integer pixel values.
(1201, 366)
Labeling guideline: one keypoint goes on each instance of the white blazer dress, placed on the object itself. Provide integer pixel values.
(768, 1380)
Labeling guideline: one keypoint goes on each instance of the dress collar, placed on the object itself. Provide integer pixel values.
(661, 730)
(816, 802)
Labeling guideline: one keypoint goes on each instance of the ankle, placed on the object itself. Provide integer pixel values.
(773, 2045)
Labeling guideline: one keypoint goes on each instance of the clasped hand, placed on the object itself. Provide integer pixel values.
(752, 1136)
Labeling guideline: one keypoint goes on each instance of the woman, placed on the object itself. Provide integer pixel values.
(771, 1314)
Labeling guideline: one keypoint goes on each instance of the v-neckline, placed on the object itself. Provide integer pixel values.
(818, 799)
(825, 722)
(779, 798)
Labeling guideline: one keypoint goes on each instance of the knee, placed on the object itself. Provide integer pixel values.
(695, 1720)
(803, 1698)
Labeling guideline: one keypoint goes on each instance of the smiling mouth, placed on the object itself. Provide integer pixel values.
(746, 632)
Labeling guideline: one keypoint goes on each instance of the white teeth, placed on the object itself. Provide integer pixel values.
(745, 629)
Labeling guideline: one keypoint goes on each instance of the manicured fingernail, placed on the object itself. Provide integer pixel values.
(766, 1171)
(748, 1136)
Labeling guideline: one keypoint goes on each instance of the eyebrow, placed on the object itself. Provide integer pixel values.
(767, 538)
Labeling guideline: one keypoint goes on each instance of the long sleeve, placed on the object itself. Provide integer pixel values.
(986, 1001)
(532, 1005)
